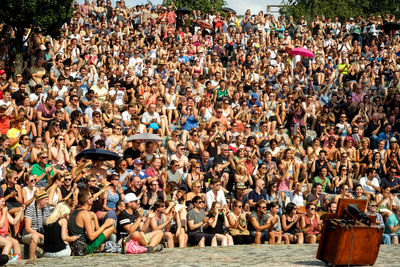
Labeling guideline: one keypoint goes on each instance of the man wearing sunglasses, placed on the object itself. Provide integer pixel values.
(259, 223)
(43, 170)
(197, 221)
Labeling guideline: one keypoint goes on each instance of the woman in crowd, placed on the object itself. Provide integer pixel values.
(311, 225)
(54, 190)
(56, 237)
(218, 223)
(291, 224)
(6, 241)
(238, 224)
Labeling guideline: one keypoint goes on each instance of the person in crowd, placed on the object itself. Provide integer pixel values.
(55, 229)
(35, 217)
(238, 224)
(261, 224)
(129, 221)
(218, 222)
(216, 194)
(291, 224)
(379, 222)
(311, 224)
(6, 241)
(197, 221)
(83, 223)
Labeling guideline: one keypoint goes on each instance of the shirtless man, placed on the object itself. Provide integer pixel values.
(331, 150)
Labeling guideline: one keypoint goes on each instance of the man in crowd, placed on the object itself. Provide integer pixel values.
(35, 216)
(129, 222)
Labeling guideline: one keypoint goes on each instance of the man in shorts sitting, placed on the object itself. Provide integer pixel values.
(35, 216)
(129, 222)
(197, 220)
(259, 223)
(84, 223)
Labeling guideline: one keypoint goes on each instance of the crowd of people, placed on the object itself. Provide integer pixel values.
(258, 142)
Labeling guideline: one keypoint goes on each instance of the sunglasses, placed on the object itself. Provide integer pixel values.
(200, 202)
(32, 181)
(68, 179)
(43, 157)
(312, 208)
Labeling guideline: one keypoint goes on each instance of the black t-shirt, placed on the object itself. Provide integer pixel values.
(124, 218)
(387, 182)
(133, 153)
(219, 227)
(18, 96)
(370, 128)
(96, 203)
(160, 197)
(222, 160)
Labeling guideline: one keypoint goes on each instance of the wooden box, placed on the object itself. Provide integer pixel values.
(342, 244)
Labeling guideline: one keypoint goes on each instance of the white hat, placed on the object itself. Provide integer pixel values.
(130, 197)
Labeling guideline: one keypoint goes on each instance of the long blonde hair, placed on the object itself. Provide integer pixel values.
(59, 211)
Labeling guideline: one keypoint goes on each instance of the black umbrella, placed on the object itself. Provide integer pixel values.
(390, 26)
(228, 9)
(183, 10)
(97, 154)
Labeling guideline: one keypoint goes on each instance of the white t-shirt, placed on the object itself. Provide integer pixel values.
(146, 118)
(210, 198)
(368, 188)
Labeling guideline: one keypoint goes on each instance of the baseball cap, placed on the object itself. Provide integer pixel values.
(254, 96)
(1, 72)
(137, 161)
(130, 197)
(393, 140)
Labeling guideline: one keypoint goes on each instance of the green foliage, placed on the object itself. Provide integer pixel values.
(206, 6)
(343, 9)
(48, 15)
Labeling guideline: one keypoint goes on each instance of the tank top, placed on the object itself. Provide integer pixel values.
(8, 191)
(29, 194)
(160, 222)
(112, 199)
(52, 237)
(73, 228)
(292, 229)
(4, 228)
(314, 225)
(28, 155)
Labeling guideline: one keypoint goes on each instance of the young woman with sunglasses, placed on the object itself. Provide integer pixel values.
(58, 153)
(311, 225)
(28, 192)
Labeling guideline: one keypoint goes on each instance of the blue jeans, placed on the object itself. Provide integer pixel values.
(264, 235)
(385, 239)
